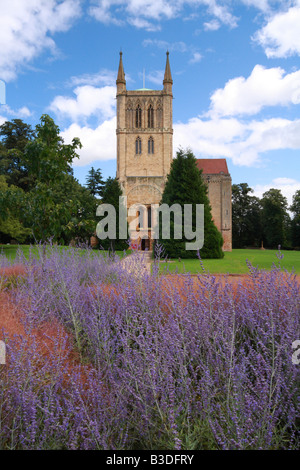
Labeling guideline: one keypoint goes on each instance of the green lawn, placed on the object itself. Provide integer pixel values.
(235, 262)
(10, 251)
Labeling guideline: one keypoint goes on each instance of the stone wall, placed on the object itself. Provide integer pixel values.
(219, 193)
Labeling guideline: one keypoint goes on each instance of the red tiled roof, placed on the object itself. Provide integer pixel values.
(212, 166)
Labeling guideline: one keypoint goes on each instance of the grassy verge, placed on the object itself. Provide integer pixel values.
(235, 262)
(10, 251)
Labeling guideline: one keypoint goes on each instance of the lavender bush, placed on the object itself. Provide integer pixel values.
(161, 365)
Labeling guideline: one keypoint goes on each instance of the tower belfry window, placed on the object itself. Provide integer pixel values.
(150, 117)
(150, 145)
(138, 117)
(138, 146)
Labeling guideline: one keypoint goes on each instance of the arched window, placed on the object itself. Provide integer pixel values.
(150, 117)
(129, 116)
(149, 216)
(159, 116)
(138, 146)
(150, 145)
(138, 117)
(140, 218)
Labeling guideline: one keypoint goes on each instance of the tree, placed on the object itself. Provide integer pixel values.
(295, 223)
(246, 217)
(275, 219)
(15, 135)
(185, 185)
(94, 182)
(11, 202)
(54, 205)
(47, 158)
(111, 193)
(62, 211)
(55, 199)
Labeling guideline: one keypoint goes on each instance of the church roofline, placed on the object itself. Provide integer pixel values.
(213, 166)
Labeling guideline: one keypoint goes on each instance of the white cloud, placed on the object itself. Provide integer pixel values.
(156, 77)
(179, 46)
(280, 37)
(140, 13)
(196, 58)
(103, 77)
(287, 186)
(26, 28)
(212, 25)
(97, 144)
(243, 142)
(89, 101)
(264, 87)
(19, 113)
(140, 23)
(136, 12)
(262, 5)
(221, 12)
(24, 112)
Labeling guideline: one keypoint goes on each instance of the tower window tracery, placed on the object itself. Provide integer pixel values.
(138, 117)
(150, 117)
(150, 145)
(138, 146)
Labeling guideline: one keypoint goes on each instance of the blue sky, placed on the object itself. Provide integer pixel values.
(235, 67)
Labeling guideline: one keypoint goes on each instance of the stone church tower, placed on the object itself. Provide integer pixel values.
(145, 152)
(144, 144)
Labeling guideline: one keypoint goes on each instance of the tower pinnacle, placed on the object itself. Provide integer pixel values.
(121, 74)
(168, 76)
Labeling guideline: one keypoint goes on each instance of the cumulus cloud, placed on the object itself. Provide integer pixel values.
(280, 37)
(19, 113)
(26, 29)
(264, 87)
(89, 101)
(242, 142)
(98, 144)
(287, 186)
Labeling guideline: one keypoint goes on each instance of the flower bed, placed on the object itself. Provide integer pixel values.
(99, 359)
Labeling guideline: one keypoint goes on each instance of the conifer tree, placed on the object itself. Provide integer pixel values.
(111, 193)
(94, 182)
(185, 185)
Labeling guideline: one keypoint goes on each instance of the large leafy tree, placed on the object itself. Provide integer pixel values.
(58, 207)
(295, 224)
(63, 211)
(275, 219)
(246, 217)
(11, 203)
(15, 135)
(54, 204)
(185, 185)
(47, 157)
